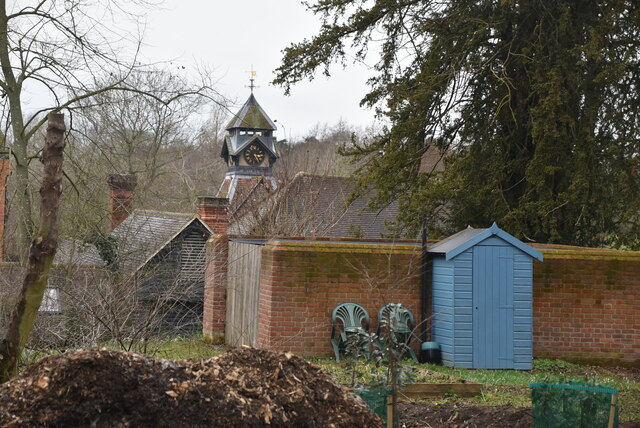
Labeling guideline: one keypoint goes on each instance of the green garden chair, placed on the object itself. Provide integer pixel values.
(348, 319)
(398, 318)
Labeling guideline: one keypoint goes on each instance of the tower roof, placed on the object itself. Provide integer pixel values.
(251, 116)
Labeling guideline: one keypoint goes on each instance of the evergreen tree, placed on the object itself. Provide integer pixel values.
(534, 102)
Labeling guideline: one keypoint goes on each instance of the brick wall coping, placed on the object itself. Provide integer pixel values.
(341, 246)
(589, 254)
(331, 239)
(294, 243)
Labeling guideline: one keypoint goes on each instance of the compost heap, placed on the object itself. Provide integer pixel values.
(242, 387)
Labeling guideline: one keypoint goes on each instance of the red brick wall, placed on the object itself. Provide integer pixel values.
(586, 306)
(586, 302)
(215, 288)
(302, 281)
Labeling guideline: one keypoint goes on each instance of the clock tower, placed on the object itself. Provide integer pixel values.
(248, 150)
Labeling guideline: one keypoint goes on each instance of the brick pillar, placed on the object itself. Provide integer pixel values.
(121, 191)
(5, 169)
(215, 288)
(213, 212)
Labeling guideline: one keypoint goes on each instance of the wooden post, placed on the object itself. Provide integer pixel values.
(612, 411)
(389, 411)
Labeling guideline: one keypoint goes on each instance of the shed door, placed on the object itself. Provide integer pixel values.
(493, 307)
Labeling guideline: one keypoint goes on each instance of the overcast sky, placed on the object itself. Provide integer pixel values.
(231, 36)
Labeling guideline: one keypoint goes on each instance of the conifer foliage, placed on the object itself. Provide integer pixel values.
(534, 104)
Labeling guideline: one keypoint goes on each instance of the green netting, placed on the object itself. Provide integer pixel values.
(573, 404)
(376, 399)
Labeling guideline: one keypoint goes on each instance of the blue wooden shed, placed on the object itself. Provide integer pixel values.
(482, 299)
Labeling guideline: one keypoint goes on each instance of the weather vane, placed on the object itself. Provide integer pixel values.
(252, 79)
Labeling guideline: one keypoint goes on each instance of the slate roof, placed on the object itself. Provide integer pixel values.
(71, 251)
(251, 116)
(144, 233)
(235, 146)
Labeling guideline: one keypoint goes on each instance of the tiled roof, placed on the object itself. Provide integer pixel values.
(249, 194)
(144, 233)
(316, 206)
(71, 251)
(432, 160)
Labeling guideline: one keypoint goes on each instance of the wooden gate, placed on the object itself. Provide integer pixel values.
(243, 289)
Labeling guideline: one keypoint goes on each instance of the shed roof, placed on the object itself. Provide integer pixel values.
(467, 238)
(251, 116)
(144, 233)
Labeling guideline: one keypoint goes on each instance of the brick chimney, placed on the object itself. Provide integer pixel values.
(213, 212)
(5, 169)
(121, 190)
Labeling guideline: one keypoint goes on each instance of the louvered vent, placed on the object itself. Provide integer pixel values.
(192, 262)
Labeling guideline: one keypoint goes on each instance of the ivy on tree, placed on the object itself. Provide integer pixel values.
(533, 103)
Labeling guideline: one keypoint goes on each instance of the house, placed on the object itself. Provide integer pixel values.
(162, 255)
(149, 269)
(310, 205)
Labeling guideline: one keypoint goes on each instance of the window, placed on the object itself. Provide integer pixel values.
(51, 300)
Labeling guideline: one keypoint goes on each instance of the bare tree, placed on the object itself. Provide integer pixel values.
(64, 49)
(173, 155)
(317, 152)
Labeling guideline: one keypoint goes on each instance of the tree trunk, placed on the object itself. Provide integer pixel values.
(42, 251)
(12, 88)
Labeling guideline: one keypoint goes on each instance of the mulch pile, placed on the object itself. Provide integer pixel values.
(240, 388)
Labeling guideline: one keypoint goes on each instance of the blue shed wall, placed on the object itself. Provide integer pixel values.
(442, 321)
(463, 309)
(522, 310)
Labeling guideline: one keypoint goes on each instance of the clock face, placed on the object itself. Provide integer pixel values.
(254, 154)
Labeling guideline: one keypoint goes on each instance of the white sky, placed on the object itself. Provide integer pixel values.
(231, 36)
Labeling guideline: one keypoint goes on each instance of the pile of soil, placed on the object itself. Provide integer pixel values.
(462, 415)
(240, 388)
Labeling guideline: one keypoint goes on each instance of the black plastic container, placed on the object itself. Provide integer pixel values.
(430, 353)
